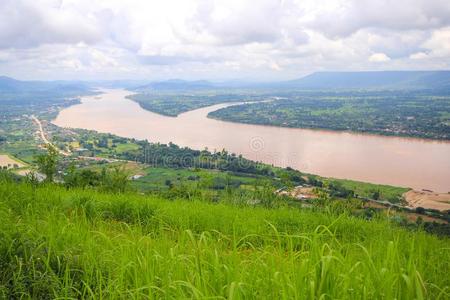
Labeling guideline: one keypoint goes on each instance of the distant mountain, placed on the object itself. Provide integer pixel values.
(17, 92)
(10, 85)
(375, 80)
(372, 80)
(176, 84)
(119, 83)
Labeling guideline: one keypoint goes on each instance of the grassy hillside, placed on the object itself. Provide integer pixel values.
(58, 243)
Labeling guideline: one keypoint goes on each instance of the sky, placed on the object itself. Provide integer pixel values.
(253, 40)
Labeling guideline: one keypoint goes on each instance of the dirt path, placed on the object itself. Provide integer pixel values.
(44, 138)
(65, 153)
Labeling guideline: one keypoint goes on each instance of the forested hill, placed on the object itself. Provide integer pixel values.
(437, 80)
(17, 92)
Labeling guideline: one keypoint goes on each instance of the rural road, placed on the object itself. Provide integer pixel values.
(44, 138)
(65, 153)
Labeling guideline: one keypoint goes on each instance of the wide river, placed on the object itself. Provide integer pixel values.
(409, 162)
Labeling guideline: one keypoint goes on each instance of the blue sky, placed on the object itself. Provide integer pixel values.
(219, 40)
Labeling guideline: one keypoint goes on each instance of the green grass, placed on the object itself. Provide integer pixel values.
(156, 177)
(23, 151)
(363, 189)
(58, 243)
(123, 147)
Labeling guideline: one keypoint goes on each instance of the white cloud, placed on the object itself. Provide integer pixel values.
(419, 55)
(26, 24)
(219, 39)
(238, 22)
(439, 43)
(344, 17)
(275, 66)
(379, 57)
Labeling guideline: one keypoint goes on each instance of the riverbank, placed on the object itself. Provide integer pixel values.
(428, 199)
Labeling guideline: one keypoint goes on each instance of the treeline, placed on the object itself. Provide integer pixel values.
(173, 156)
(110, 180)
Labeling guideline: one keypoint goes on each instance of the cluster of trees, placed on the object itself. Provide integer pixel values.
(114, 180)
(92, 140)
(442, 229)
(337, 190)
(173, 156)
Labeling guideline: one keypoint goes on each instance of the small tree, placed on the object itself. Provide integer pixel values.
(420, 210)
(71, 178)
(47, 163)
(32, 179)
(286, 180)
(115, 180)
(323, 198)
(83, 178)
(168, 183)
(375, 194)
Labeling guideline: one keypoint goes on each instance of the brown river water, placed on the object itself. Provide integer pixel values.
(409, 162)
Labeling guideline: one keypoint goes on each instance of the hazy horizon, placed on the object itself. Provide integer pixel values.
(218, 81)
